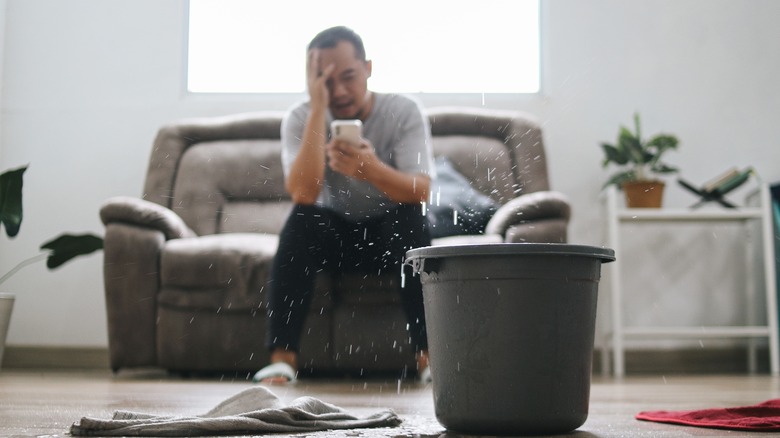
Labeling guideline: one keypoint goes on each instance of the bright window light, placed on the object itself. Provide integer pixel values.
(430, 46)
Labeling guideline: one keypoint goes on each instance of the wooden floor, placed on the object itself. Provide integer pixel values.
(46, 402)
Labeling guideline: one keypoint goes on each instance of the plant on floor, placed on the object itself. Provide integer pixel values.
(58, 250)
(641, 159)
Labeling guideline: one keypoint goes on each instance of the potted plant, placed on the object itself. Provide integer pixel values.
(641, 161)
(57, 251)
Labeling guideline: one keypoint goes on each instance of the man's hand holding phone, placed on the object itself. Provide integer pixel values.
(350, 131)
(348, 152)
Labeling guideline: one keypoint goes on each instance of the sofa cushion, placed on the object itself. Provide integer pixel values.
(254, 216)
(212, 174)
(217, 272)
(457, 208)
(486, 162)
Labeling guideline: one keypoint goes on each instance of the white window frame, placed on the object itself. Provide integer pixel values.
(379, 68)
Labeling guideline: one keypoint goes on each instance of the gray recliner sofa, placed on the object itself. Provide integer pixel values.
(186, 264)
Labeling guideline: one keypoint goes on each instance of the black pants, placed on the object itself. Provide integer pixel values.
(316, 239)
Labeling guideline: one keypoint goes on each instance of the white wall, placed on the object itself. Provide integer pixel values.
(2, 57)
(86, 83)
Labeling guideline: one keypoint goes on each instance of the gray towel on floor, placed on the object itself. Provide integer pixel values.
(253, 411)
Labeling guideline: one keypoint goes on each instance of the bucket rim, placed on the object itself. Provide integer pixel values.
(603, 253)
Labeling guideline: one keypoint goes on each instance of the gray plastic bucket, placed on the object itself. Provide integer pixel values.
(510, 334)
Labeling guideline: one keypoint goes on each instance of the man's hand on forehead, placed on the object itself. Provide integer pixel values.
(318, 77)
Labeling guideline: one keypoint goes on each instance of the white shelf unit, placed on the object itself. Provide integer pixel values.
(618, 332)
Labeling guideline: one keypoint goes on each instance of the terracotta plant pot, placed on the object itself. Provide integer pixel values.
(643, 194)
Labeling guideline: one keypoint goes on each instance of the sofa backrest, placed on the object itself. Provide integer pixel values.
(221, 174)
(224, 174)
(500, 152)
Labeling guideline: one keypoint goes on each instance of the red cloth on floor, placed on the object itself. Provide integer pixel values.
(761, 417)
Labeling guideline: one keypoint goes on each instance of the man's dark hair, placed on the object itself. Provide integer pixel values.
(328, 38)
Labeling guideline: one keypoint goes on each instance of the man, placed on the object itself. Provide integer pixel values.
(356, 207)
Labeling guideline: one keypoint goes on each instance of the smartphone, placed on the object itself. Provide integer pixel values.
(347, 130)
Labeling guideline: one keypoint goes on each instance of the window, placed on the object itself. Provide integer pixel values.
(431, 46)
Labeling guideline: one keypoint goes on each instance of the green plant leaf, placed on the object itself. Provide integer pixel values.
(637, 128)
(641, 158)
(664, 168)
(631, 145)
(613, 155)
(619, 178)
(68, 246)
(663, 142)
(11, 182)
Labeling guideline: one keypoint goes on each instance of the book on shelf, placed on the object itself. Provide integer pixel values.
(714, 189)
(714, 183)
(729, 181)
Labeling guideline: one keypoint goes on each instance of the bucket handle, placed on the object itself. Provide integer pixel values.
(417, 264)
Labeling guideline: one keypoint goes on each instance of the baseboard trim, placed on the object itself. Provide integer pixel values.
(676, 361)
(16, 357)
(726, 360)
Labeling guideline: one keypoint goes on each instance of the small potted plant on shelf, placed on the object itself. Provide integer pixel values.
(57, 251)
(641, 161)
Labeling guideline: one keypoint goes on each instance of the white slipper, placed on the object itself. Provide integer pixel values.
(280, 370)
(425, 376)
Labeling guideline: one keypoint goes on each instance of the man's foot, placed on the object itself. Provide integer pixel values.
(425, 376)
(282, 370)
(278, 373)
(423, 367)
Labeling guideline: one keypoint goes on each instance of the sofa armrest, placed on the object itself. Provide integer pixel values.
(131, 277)
(537, 206)
(136, 231)
(145, 214)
